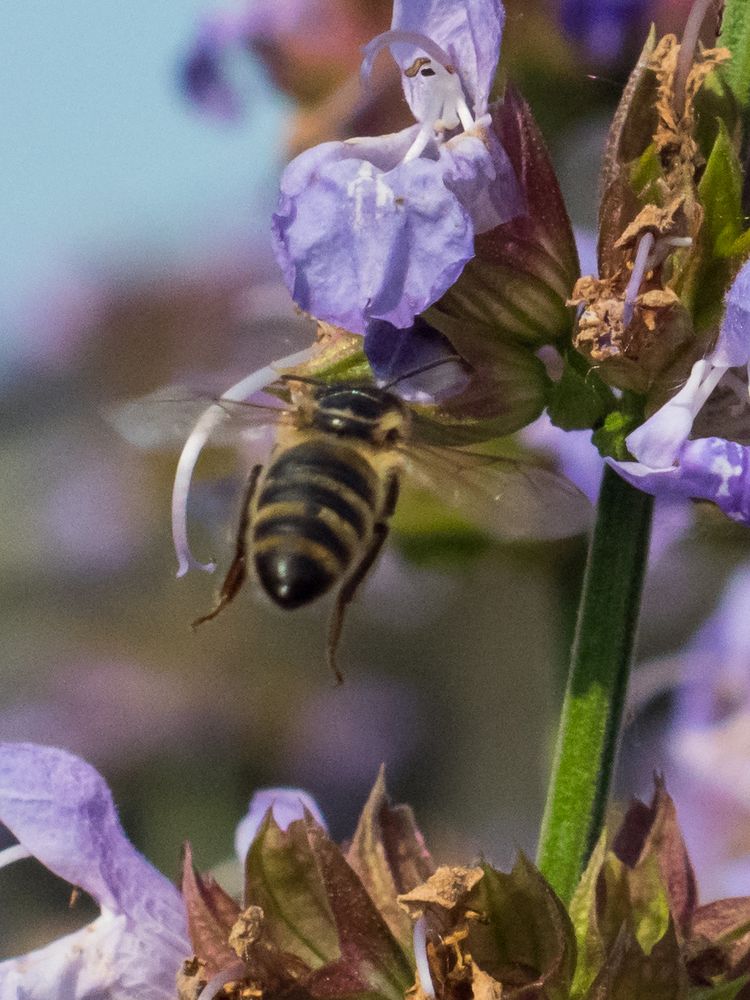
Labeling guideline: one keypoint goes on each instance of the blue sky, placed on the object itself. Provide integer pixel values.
(100, 158)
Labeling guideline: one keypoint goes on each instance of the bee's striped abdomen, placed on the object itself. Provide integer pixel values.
(315, 512)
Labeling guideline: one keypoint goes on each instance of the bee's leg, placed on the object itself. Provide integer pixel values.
(238, 570)
(347, 592)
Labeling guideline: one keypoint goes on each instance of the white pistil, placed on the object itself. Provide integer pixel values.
(206, 424)
(421, 959)
(12, 854)
(640, 267)
(217, 983)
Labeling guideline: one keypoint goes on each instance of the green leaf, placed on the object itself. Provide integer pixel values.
(580, 399)
(371, 963)
(735, 36)
(723, 991)
(720, 192)
(317, 909)
(282, 877)
(590, 947)
(629, 974)
(704, 285)
(645, 172)
(610, 437)
(526, 936)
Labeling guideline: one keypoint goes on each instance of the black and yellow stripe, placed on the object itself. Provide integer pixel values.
(314, 514)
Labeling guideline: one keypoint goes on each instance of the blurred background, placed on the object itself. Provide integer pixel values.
(142, 146)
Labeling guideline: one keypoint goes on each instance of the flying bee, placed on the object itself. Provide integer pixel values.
(315, 514)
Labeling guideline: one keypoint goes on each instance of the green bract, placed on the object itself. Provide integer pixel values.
(319, 922)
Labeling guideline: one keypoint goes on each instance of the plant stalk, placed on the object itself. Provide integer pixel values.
(589, 732)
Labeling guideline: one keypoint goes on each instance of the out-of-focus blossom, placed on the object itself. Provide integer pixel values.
(61, 812)
(120, 713)
(285, 804)
(717, 468)
(379, 228)
(308, 47)
(338, 746)
(709, 743)
(605, 29)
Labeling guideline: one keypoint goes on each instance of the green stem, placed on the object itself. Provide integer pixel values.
(589, 731)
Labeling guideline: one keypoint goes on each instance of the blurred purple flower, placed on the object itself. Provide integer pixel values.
(61, 812)
(205, 72)
(380, 228)
(286, 805)
(714, 467)
(604, 28)
(709, 744)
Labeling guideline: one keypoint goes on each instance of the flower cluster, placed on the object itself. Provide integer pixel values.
(378, 919)
(379, 228)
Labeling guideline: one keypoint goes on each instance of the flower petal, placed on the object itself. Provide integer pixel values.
(356, 241)
(470, 32)
(287, 805)
(658, 440)
(708, 469)
(394, 354)
(733, 346)
(479, 172)
(109, 958)
(61, 810)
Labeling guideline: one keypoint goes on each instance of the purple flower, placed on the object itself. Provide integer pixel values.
(714, 467)
(286, 804)
(605, 28)
(206, 72)
(379, 228)
(709, 743)
(395, 354)
(61, 812)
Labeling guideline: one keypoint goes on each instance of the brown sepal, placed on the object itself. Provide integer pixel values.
(516, 285)
(628, 973)
(390, 856)
(653, 830)
(211, 914)
(720, 940)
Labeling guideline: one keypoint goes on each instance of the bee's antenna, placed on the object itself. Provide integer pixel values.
(307, 379)
(424, 368)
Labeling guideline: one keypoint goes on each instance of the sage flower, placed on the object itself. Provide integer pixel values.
(379, 228)
(61, 811)
(715, 466)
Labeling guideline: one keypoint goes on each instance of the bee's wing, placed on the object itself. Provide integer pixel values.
(164, 419)
(509, 499)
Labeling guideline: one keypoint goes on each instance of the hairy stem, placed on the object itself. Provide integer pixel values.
(589, 731)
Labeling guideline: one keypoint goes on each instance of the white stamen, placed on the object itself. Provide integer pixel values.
(420, 957)
(420, 143)
(11, 854)
(640, 266)
(446, 102)
(207, 422)
(217, 983)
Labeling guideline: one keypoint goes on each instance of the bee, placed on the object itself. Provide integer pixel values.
(315, 515)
